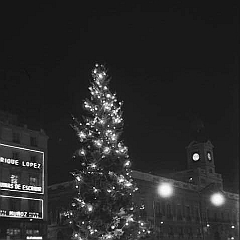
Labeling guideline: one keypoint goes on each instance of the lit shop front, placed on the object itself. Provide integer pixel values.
(22, 209)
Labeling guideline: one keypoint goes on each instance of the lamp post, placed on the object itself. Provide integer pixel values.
(217, 199)
(164, 190)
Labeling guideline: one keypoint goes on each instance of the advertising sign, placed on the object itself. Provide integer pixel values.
(21, 212)
(29, 160)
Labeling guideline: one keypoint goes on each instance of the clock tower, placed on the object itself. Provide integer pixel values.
(200, 161)
(201, 167)
(200, 155)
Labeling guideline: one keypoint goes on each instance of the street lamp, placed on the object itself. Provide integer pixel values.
(164, 190)
(217, 199)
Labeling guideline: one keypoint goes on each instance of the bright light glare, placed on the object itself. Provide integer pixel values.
(217, 199)
(165, 190)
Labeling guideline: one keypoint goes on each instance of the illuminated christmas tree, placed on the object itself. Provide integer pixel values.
(103, 207)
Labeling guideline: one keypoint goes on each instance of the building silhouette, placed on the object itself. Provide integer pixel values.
(188, 213)
(23, 180)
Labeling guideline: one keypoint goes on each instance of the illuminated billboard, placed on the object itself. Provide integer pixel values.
(21, 169)
(21, 207)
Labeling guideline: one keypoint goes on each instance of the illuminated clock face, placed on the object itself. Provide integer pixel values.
(209, 157)
(195, 157)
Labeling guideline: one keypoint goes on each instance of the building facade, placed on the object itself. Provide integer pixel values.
(187, 213)
(23, 180)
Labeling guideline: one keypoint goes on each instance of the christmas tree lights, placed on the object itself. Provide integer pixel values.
(103, 208)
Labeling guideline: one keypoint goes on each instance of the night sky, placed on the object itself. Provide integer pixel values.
(170, 64)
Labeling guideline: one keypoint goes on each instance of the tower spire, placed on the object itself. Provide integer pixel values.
(198, 130)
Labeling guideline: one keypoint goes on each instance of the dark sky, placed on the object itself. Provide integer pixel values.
(169, 63)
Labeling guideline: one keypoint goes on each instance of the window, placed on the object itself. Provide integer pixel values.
(179, 212)
(15, 155)
(14, 204)
(199, 234)
(228, 216)
(157, 209)
(29, 232)
(210, 170)
(163, 208)
(174, 210)
(33, 141)
(53, 214)
(14, 179)
(186, 230)
(234, 217)
(33, 158)
(180, 232)
(190, 232)
(170, 231)
(168, 210)
(32, 206)
(187, 212)
(203, 181)
(197, 216)
(208, 214)
(35, 232)
(49, 217)
(16, 137)
(58, 216)
(13, 231)
(32, 232)
(32, 181)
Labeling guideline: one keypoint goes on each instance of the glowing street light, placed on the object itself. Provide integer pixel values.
(217, 199)
(165, 190)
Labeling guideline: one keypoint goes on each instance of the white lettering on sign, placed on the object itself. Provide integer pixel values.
(19, 214)
(31, 188)
(9, 161)
(3, 213)
(17, 186)
(6, 185)
(31, 164)
(17, 162)
(20, 187)
(33, 215)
